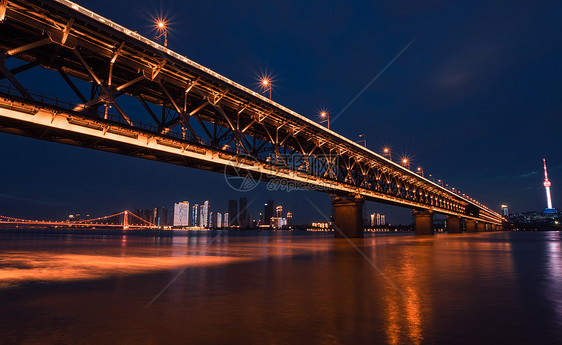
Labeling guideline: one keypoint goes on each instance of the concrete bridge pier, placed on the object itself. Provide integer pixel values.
(470, 225)
(454, 225)
(348, 217)
(480, 227)
(423, 222)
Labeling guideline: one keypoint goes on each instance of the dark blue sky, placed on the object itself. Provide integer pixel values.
(475, 100)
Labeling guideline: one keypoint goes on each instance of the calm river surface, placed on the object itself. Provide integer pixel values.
(281, 288)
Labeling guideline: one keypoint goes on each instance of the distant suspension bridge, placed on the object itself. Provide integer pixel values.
(126, 220)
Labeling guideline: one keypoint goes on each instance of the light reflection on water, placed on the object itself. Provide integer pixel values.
(282, 288)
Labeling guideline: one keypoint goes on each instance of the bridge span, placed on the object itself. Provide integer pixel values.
(187, 114)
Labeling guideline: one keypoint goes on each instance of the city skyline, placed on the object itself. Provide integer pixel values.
(494, 177)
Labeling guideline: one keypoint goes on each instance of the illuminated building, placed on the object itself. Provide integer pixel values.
(289, 218)
(211, 223)
(547, 184)
(377, 219)
(219, 220)
(195, 215)
(279, 211)
(225, 220)
(181, 214)
(505, 211)
(204, 221)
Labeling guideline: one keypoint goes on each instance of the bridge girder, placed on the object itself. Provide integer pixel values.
(231, 120)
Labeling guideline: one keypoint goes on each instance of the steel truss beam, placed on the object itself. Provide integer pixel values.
(116, 64)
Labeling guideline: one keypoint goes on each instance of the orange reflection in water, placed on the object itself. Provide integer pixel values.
(19, 266)
(427, 268)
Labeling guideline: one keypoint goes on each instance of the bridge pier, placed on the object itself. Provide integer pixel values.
(423, 222)
(454, 225)
(470, 225)
(348, 217)
(480, 227)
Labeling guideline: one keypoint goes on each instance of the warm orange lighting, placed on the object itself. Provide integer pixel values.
(265, 82)
(419, 168)
(323, 114)
(405, 161)
(161, 25)
(386, 150)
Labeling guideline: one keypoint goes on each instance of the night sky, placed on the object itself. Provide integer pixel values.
(475, 100)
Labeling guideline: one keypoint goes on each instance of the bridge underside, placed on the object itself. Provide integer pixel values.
(197, 118)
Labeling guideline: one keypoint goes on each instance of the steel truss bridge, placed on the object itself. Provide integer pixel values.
(185, 113)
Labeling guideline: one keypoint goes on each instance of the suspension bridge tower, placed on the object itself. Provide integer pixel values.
(126, 220)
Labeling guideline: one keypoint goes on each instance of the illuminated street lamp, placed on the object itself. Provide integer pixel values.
(406, 162)
(420, 171)
(325, 117)
(162, 28)
(265, 85)
(386, 152)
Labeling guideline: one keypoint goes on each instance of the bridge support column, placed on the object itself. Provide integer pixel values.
(470, 225)
(348, 217)
(480, 227)
(423, 222)
(453, 225)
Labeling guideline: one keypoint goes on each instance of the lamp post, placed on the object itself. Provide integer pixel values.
(364, 140)
(325, 118)
(266, 85)
(420, 171)
(386, 152)
(406, 163)
(162, 27)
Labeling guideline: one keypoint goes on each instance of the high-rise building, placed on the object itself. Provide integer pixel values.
(156, 217)
(547, 185)
(232, 213)
(219, 220)
(505, 211)
(195, 215)
(164, 215)
(268, 212)
(243, 214)
(289, 218)
(181, 214)
(225, 220)
(205, 214)
(377, 219)
(211, 220)
(279, 211)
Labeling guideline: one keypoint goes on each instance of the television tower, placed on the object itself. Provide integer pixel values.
(547, 186)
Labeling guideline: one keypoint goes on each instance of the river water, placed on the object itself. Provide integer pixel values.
(281, 288)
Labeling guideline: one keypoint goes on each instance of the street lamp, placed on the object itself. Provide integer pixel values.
(386, 152)
(364, 140)
(420, 171)
(406, 162)
(162, 27)
(265, 84)
(325, 117)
